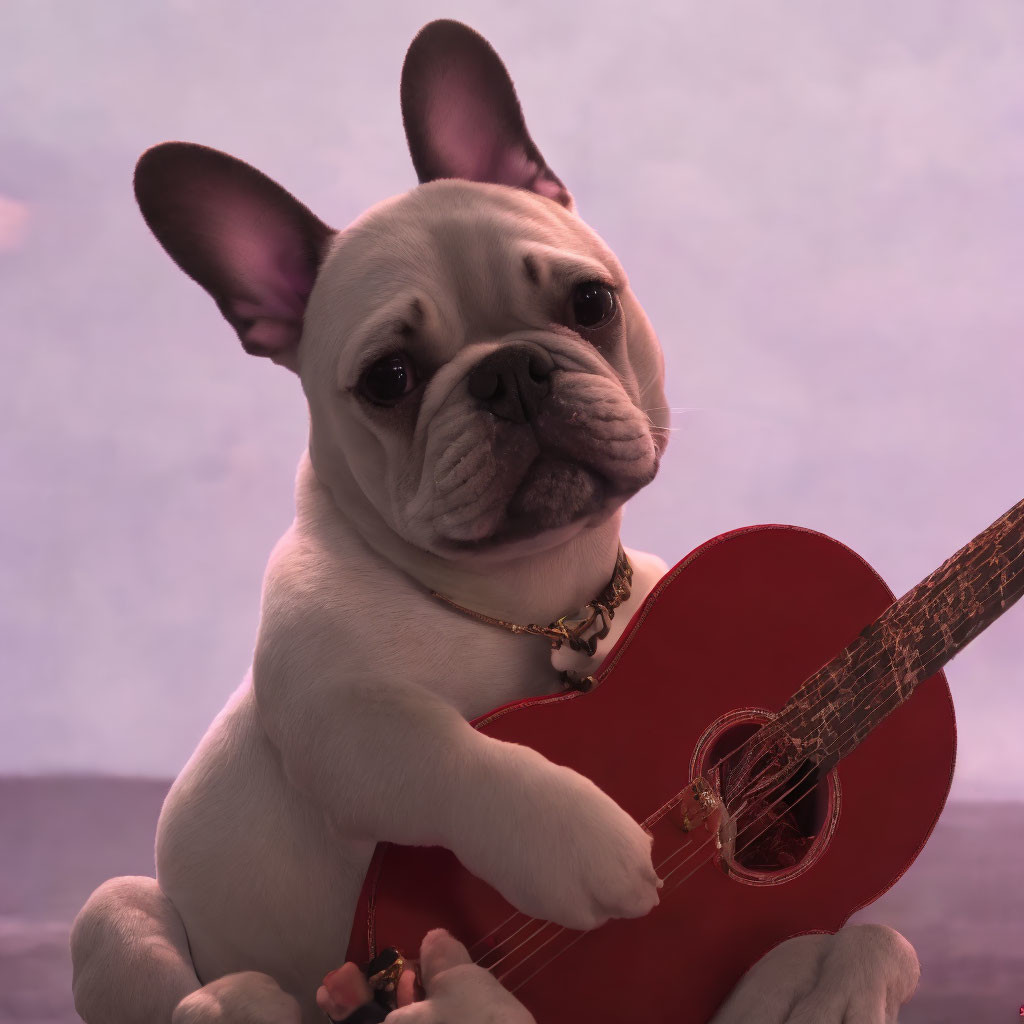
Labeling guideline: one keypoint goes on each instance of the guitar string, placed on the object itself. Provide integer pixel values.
(866, 694)
(566, 948)
(693, 853)
(772, 729)
(894, 699)
(696, 851)
(672, 888)
(801, 778)
(769, 729)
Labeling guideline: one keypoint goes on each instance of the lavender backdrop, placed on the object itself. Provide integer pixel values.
(819, 205)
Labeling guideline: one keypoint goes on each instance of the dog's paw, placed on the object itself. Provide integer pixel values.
(558, 848)
(454, 989)
(247, 997)
(458, 990)
(868, 972)
(862, 974)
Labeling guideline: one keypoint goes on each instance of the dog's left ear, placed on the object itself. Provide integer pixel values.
(251, 244)
(462, 117)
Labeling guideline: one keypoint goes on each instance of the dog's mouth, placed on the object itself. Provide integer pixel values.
(556, 491)
(569, 472)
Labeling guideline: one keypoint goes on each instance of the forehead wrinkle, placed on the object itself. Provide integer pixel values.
(564, 268)
(405, 311)
(402, 316)
(391, 289)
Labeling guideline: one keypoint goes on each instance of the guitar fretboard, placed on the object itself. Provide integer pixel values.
(913, 638)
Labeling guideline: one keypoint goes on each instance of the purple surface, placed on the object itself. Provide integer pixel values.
(961, 904)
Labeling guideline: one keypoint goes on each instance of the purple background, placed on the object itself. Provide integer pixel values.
(819, 205)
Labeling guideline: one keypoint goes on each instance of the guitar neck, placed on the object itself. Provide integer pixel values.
(831, 714)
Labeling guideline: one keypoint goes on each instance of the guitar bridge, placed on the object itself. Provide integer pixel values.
(702, 807)
(697, 807)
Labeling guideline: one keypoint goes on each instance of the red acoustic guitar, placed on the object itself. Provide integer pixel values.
(786, 786)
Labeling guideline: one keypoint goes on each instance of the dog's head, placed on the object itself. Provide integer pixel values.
(479, 373)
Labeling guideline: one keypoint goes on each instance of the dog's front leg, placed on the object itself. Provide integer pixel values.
(131, 965)
(388, 760)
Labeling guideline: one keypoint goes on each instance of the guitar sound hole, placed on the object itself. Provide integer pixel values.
(783, 829)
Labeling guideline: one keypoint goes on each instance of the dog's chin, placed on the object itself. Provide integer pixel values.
(557, 497)
(553, 493)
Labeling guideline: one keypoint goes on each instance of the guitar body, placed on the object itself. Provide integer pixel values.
(721, 643)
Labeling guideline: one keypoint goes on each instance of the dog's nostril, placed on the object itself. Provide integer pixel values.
(540, 369)
(512, 381)
(483, 383)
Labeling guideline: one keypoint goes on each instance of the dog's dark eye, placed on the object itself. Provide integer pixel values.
(593, 304)
(388, 379)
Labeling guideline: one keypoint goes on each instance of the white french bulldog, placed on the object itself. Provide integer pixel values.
(485, 392)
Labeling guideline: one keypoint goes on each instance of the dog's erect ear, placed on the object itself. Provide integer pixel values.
(462, 117)
(253, 246)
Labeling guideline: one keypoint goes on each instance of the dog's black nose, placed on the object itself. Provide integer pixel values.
(512, 381)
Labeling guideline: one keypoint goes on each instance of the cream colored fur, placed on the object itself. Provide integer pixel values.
(352, 725)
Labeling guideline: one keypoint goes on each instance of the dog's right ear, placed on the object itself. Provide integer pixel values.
(253, 246)
(462, 116)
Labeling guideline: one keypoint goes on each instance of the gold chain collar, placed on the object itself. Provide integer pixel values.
(559, 632)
